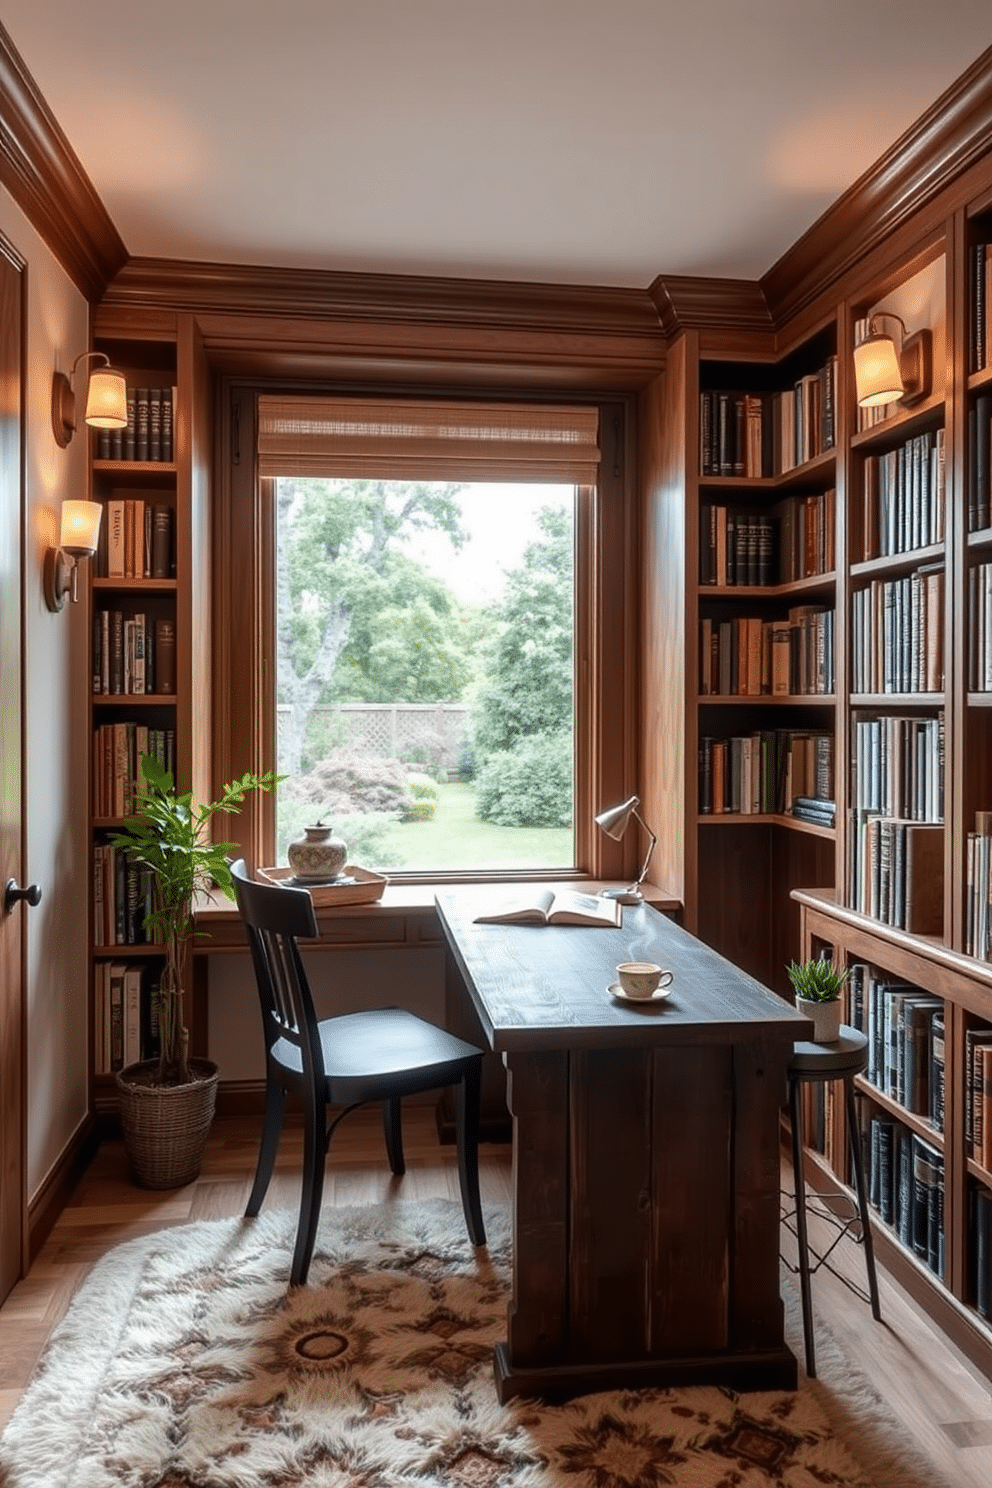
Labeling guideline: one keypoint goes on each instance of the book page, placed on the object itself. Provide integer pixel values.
(573, 908)
(530, 904)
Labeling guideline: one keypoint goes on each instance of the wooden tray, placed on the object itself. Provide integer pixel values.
(366, 890)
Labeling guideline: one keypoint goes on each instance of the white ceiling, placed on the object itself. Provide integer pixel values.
(579, 141)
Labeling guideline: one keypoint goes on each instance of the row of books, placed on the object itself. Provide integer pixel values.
(767, 772)
(132, 654)
(980, 1248)
(137, 540)
(736, 547)
(905, 1031)
(897, 633)
(755, 434)
(118, 749)
(897, 766)
(122, 899)
(904, 497)
(906, 1187)
(980, 463)
(978, 889)
(150, 426)
(126, 1014)
(793, 540)
(746, 656)
(897, 871)
(980, 307)
(980, 627)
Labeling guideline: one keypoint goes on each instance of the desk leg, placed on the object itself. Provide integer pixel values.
(537, 1316)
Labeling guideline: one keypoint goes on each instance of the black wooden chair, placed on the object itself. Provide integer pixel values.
(347, 1061)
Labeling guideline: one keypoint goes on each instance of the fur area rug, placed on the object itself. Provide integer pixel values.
(185, 1362)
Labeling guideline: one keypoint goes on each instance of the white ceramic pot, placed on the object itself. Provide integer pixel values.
(825, 1016)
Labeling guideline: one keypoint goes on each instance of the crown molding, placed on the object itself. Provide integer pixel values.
(387, 298)
(686, 303)
(45, 179)
(953, 135)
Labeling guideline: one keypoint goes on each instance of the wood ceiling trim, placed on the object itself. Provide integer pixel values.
(40, 170)
(953, 134)
(687, 303)
(386, 298)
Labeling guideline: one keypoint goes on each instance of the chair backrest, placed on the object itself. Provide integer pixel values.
(275, 918)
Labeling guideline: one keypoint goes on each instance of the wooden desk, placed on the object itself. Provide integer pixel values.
(646, 1155)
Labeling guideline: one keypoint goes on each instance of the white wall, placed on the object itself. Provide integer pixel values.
(56, 742)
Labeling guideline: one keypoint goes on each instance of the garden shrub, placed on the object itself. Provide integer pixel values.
(357, 784)
(529, 785)
(423, 800)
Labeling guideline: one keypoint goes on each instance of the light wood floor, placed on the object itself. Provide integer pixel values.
(944, 1404)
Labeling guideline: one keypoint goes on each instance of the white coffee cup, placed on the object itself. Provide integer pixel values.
(642, 978)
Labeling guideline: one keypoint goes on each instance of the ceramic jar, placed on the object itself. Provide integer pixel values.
(319, 856)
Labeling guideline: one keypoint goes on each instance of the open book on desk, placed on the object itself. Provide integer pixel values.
(539, 906)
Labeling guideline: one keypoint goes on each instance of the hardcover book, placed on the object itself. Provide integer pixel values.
(538, 906)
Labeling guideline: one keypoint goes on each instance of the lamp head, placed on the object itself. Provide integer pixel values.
(614, 820)
(78, 539)
(106, 400)
(883, 375)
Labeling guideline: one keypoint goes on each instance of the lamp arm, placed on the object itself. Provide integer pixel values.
(651, 846)
(878, 315)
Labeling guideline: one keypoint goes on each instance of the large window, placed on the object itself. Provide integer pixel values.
(425, 670)
(426, 614)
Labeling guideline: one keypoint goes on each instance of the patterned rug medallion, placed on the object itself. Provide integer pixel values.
(185, 1363)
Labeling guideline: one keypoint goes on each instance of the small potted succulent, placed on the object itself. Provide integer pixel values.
(818, 985)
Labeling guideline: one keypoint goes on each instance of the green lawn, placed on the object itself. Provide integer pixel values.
(455, 839)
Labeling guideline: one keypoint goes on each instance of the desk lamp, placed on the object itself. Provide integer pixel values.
(614, 823)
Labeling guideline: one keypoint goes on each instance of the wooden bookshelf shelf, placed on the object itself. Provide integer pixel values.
(898, 427)
(144, 626)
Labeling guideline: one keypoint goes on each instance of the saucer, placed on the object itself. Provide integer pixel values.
(658, 995)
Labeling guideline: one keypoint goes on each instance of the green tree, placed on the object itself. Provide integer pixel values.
(529, 686)
(338, 563)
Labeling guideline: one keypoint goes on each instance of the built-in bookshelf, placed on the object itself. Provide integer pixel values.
(892, 870)
(925, 1104)
(149, 623)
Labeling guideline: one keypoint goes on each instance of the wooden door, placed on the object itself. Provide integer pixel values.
(12, 1197)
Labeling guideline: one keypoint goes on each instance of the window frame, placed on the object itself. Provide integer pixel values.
(606, 615)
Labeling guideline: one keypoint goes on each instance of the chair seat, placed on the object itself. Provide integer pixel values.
(368, 1048)
(848, 1056)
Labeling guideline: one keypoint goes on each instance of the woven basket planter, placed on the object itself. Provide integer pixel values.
(165, 1126)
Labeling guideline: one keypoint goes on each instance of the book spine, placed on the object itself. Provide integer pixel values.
(165, 656)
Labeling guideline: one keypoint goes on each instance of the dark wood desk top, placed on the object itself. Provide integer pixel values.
(543, 987)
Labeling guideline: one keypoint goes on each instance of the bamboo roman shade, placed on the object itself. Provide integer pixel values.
(407, 440)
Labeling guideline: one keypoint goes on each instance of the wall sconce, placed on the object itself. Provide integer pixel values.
(78, 539)
(881, 375)
(614, 823)
(106, 399)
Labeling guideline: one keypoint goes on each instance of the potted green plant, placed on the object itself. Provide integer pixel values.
(818, 985)
(167, 1104)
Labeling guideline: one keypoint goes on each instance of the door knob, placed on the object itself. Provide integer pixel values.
(13, 891)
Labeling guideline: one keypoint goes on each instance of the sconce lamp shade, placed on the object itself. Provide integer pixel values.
(884, 375)
(876, 371)
(106, 400)
(614, 822)
(78, 539)
(80, 527)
